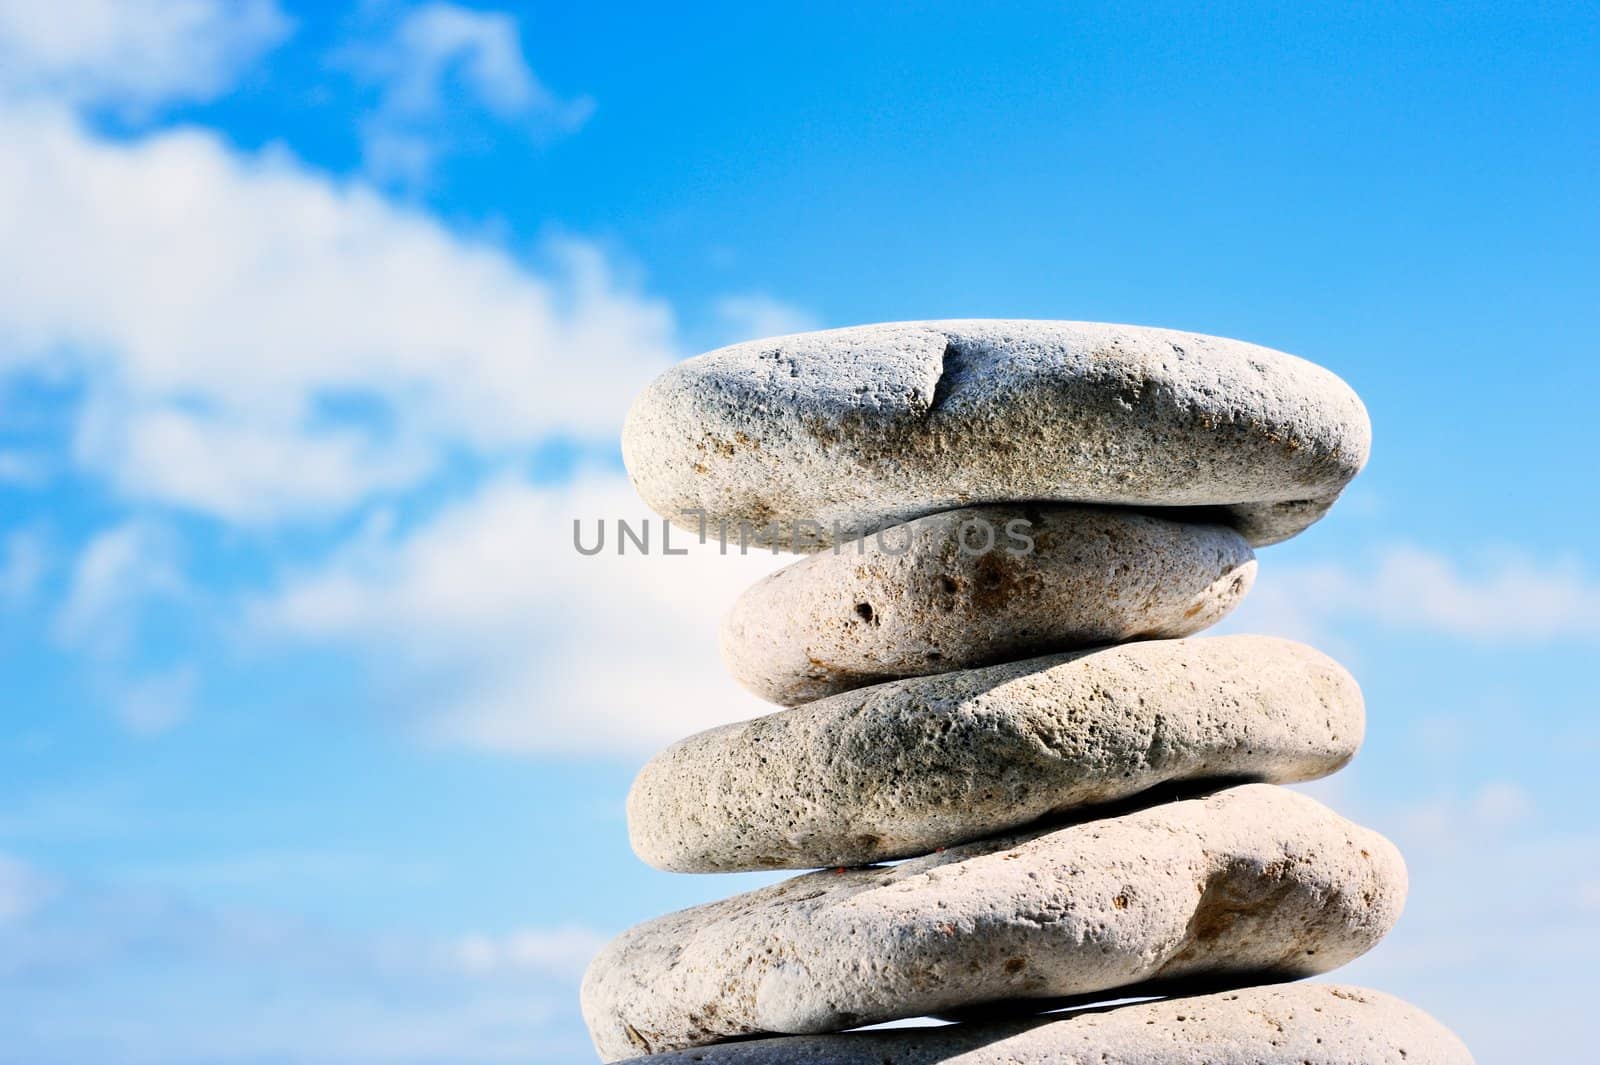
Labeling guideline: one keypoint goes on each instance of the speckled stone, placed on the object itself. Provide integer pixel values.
(858, 429)
(1284, 1024)
(903, 768)
(1254, 880)
(976, 586)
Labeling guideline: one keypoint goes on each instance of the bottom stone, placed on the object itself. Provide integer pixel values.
(1283, 1024)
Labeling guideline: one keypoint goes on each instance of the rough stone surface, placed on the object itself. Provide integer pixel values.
(903, 768)
(1286, 1024)
(976, 586)
(871, 426)
(1252, 881)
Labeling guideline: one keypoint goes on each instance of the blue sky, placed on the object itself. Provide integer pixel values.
(316, 330)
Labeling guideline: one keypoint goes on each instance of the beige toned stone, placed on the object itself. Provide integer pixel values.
(1253, 880)
(1283, 1024)
(976, 586)
(871, 426)
(902, 768)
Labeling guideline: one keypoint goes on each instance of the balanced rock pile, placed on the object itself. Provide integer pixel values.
(1014, 531)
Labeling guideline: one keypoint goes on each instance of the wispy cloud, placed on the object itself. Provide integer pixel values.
(153, 703)
(491, 625)
(440, 69)
(564, 951)
(262, 343)
(1510, 598)
(753, 315)
(1451, 822)
(114, 575)
(1493, 891)
(175, 982)
(24, 558)
(22, 469)
(117, 578)
(23, 889)
(132, 55)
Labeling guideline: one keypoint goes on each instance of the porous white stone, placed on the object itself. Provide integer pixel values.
(857, 429)
(1253, 880)
(975, 586)
(903, 768)
(1283, 1024)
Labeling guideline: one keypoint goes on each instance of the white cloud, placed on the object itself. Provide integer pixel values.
(24, 557)
(1449, 822)
(132, 54)
(225, 313)
(240, 471)
(1509, 599)
(521, 643)
(171, 981)
(22, 470)
(22, 889)
(564, 951)
(1502, 804)
(440, 64)
(752, 316)
(482, 46)
(1506, 903)
(115, 574)
(117, 577)
(1516, 599)
(153, 704)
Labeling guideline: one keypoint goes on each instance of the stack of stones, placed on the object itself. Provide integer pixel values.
(1026, 787)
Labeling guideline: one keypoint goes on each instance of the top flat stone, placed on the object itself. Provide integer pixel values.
(820, 438)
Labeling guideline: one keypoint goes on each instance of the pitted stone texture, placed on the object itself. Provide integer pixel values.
(1253, 881)
(977, 586)
(875, 425)
(903, 768)
(1286, 1024)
